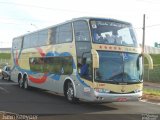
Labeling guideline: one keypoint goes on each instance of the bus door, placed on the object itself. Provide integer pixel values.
(83, 49)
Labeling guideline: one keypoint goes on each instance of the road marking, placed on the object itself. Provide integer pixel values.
(145, 101)
(6, 91)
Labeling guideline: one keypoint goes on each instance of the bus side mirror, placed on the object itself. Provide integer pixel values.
(149, 59)
(95, 57)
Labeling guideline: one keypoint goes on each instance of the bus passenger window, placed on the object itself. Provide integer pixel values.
(54, 35)
(67, 65)
(65, 33)
(36, 64)
(42, 38)
(81, 31)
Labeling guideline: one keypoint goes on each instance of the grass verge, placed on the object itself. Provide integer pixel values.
(151, 91)
(5, 55)
(152, 95)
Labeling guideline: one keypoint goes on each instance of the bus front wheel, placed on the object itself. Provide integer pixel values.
(69, 93)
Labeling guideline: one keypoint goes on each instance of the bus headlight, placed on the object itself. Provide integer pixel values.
(101, 90)
(137, 90)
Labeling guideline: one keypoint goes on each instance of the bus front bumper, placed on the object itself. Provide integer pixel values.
(110, 97)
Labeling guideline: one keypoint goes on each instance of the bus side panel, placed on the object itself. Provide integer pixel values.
(40, 80)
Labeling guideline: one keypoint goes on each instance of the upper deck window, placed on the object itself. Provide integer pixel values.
(61, 34)
(112, 32)
(81, 31)
(65, 33)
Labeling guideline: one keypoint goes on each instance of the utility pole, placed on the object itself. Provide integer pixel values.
(143, 43)
(143, 39)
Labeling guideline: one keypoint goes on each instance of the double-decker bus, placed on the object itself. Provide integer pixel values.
(91, 59)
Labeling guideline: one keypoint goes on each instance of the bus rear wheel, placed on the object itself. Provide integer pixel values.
(20, 83)
(8, 78)
(69, 93)
(25, 80)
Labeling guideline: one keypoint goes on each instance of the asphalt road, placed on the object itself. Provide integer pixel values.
(48, 106)
(154, 86)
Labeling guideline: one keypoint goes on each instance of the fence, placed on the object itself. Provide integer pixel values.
(152, 75)
(151, 50)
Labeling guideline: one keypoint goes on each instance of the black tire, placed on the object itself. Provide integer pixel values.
(69, 93)
(25, 83)
(8, 78)
(21, 83)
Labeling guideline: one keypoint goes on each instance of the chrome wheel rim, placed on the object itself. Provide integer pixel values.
(70, 92)
(20, 83)
(25, 84)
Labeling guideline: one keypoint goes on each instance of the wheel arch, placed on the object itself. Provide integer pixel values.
(25, 75)
(20, 76)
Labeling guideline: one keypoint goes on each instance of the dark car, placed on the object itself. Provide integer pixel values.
(6, 73)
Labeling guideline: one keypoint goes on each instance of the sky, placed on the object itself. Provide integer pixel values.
(18, 17)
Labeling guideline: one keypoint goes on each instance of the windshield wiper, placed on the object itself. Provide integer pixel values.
(130, 81)
(117, 76)
(111, 81)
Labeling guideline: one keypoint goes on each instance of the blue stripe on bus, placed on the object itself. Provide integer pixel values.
(55, 77)
(81, 81)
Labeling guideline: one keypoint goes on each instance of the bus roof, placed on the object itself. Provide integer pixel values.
(75, 19)
(99, 18)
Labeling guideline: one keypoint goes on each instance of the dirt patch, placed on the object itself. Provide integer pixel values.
(151, 98)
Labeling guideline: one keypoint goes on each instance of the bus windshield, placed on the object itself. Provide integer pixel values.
(119, 67)
(113, 33)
